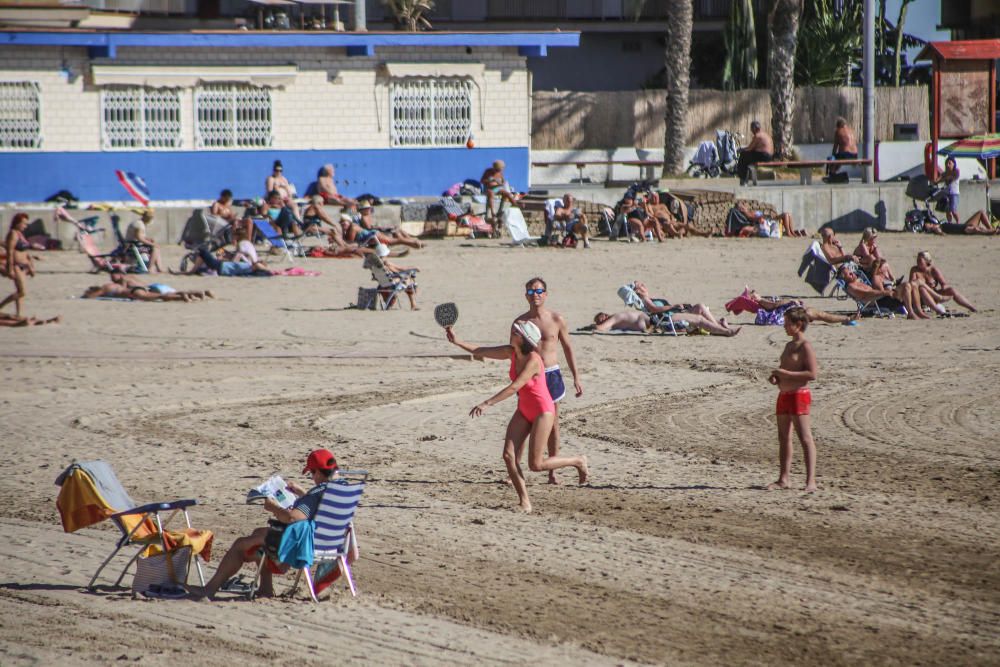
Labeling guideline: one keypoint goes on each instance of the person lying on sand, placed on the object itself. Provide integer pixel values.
(136, 285)
(628, 320)
(321, 466)
(116, 291)
(771, 311)
(7, 320)
(696, 315)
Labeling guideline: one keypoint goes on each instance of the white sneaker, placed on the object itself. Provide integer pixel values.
(633, 238)
(586, 243)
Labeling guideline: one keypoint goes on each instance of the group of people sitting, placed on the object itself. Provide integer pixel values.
(869, 278)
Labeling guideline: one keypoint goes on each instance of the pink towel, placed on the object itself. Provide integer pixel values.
(296, 271)
(742, 303)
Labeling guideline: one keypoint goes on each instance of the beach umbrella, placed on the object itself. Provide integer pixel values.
(982, 147)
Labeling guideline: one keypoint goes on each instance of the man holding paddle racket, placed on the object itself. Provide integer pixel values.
(554, 333)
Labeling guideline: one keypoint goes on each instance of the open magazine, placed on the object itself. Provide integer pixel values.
(274, 488)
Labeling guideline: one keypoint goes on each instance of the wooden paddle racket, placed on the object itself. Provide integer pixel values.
(446, 314)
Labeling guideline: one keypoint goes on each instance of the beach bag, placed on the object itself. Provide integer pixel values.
(366, 298)
(159, 570)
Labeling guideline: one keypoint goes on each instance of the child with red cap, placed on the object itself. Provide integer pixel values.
(321, 466)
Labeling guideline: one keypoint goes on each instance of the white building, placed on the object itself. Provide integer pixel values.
(193, 113)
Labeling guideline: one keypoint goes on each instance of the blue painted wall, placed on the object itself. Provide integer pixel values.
(35, 176)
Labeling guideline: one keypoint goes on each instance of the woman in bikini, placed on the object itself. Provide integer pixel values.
(925, 273)
(535, 414)
(18, 264)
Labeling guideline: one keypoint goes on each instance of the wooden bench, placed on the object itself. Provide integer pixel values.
(805, 167)
(647, 167)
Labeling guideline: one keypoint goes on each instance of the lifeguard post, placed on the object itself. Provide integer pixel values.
(963, 93)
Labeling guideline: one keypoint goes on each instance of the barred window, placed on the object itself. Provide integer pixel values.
(430, 112)
(232, 116)
(20, 114)
(134, 118)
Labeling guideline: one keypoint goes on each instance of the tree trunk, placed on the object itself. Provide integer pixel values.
(899, 39)
(783, 25)
(677, 60)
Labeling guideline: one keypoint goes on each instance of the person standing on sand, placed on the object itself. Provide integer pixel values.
(796, 369)
(554, 331)
(535, 414)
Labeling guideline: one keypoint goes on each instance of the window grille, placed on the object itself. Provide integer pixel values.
(136, 118)
(430, 112)
(232, 116)
(20, 114)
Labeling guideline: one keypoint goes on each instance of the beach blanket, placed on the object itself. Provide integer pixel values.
(297, 271)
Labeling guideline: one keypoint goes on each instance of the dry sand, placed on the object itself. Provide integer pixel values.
(672, 555)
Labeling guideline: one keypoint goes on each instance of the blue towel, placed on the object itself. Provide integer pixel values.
(296, 548)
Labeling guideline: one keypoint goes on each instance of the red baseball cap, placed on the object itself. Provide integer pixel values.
(320, 459)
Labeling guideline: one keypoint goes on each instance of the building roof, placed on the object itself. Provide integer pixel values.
(973, 49)
(105, 43)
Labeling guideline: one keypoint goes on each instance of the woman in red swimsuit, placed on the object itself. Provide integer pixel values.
(535, 414)
(18, 262)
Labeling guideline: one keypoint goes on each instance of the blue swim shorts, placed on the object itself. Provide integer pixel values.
(554, 381)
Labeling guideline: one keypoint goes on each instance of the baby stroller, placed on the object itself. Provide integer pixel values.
(917, 218)
(202, 229)
(713, 159)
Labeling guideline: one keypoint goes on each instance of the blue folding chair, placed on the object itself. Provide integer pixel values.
(290, 246)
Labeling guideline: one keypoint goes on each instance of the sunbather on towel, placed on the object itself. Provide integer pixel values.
(321, 466)
(771, 310)
(137, 285)
(116, 291)
(694, 315)
(7, 320)
(207, 261)
(628, 320)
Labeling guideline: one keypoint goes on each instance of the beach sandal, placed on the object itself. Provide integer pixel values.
(237, 584)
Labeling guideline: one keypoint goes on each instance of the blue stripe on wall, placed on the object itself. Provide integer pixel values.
(35, 176)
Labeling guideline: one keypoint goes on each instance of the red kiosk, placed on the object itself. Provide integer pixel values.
(965, 76)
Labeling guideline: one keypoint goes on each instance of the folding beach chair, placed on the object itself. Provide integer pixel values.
(513, 220)
(863, 307)
(130, 251)
(334, 538)
(90, 493)
(390, 284)
(661, 321)
(817, 271)
(290, 246)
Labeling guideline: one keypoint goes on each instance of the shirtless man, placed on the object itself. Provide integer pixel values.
(795, 370)
(136, 233)
(832, 250)
(845, 145)
(629, 320)
(697, 315)
(672, 227)
(575, 221)
(327, 187)
(760, 149)
(554, 332)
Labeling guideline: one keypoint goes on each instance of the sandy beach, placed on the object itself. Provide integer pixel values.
(673, 554)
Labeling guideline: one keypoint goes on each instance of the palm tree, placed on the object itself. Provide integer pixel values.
(783, 29)
(740, 37)
(677, 60)
(410, 13)
(899, 40)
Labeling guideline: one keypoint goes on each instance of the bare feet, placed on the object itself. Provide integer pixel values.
(208, 293)
(810, 488)
(777, 486)
(525, 506)
(552, 478)
(733, 332)
(584, 471)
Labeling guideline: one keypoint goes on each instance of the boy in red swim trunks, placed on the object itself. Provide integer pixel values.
(795, 370)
